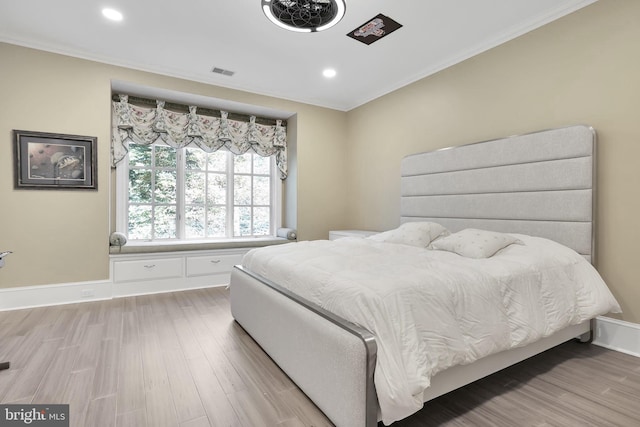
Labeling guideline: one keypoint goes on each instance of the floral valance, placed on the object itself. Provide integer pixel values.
(148, 125)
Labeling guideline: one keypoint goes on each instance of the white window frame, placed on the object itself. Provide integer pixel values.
(122, 202)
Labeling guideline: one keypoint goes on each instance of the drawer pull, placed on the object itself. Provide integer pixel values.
(149, 265)
(215, 261)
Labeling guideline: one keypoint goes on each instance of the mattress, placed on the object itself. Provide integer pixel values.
(431, 309)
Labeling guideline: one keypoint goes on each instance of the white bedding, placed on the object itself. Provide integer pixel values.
(430, 309)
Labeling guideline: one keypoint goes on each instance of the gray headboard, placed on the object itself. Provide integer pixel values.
(541, 184)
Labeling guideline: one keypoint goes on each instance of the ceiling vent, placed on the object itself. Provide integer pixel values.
(378, 27)
(304, 15)
(223, 71)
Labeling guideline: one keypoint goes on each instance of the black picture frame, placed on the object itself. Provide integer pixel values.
(52, 161)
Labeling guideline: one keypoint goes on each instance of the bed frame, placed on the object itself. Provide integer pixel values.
(541, 184)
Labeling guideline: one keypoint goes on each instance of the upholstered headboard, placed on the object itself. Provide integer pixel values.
(541, 184)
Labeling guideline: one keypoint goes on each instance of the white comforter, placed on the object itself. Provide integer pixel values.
(431, 310)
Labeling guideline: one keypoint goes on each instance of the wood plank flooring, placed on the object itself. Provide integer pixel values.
(179, 360)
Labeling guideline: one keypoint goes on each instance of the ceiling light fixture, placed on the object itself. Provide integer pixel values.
(112, 14)
(305, 16)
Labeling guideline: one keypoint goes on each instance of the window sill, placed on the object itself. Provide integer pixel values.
(155, 247)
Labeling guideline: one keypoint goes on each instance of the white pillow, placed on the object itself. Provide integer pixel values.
(419, 234)
(474, 243)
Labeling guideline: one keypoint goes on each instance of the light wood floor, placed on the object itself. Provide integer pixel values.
(179, 359)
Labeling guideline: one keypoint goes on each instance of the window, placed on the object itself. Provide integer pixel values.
(189, 194)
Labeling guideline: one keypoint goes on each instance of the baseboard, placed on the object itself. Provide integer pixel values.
(71, 293)
(57, 294)
(618, 335)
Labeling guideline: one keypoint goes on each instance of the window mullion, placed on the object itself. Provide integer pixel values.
(230, 190)
(205, 201)
(180, 196)
(252, 186)
(153, 192)
(274, 200)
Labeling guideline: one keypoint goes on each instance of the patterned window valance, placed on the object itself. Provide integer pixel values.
(147, 125)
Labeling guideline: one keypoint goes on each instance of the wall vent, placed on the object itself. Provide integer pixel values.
(223, 71)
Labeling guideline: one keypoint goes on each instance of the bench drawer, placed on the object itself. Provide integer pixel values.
(124, 271)
(212, 264)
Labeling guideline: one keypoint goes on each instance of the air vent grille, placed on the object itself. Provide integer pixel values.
(223, 71)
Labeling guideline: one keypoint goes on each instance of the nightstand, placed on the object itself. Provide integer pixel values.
(339, 234)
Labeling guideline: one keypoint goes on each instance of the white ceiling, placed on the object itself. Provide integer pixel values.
(187, 38)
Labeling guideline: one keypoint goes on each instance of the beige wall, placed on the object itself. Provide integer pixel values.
(62, 236)
(582, 69)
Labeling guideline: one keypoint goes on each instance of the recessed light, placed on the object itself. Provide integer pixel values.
(112, 14)
(329, 73)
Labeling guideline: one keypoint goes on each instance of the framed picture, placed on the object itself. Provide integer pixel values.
(54, 161)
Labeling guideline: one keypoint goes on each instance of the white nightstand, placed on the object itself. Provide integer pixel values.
(339, 234)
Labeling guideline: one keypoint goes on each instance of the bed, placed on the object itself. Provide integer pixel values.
(536, 187)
